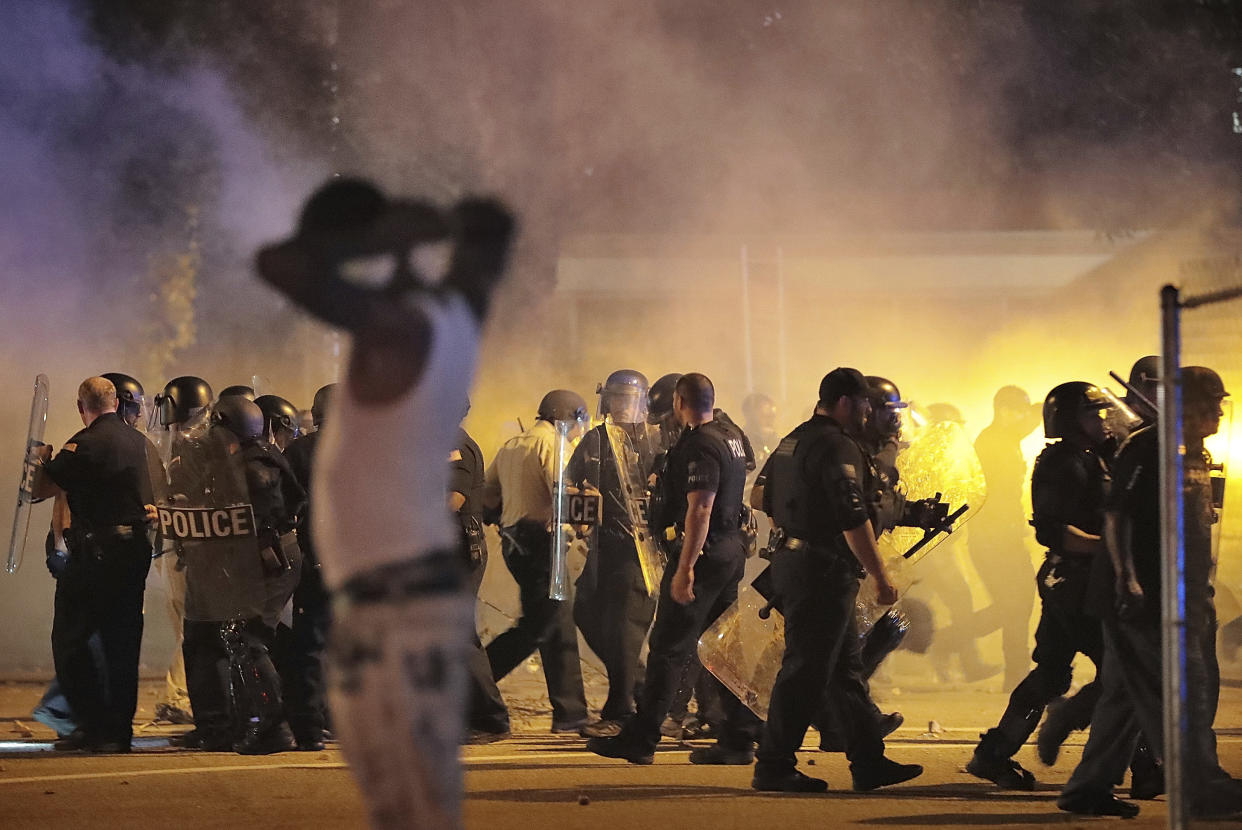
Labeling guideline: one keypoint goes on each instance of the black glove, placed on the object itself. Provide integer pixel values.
(925, 513)
(57, 562)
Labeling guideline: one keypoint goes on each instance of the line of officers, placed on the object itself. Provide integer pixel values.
(830, 487)
(248, 608)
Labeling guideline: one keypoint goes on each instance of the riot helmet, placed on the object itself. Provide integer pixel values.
(130, 398)
(886, 406)
(562, 405)
(1203, 392)
(246, 392)
(239, 416)
(181, 399)
(624, 396)
(280, 419)
(1065, 405)
(660, 398)
(319, 406)
(1144, 380)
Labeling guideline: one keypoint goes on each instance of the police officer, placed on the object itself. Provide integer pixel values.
(183, 401)
(612, 607)
(280, 420)
(103, 472)
(302, 651)
(660, 410)
(703, 483)
(815, 493)
(1125, 590)
(1068, 486)
(487, 717)
(245, 391)
(520, 481)
(278, 500)
(239, 640)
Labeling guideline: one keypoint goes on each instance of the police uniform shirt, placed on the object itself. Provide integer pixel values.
(1068, 485)
(1135, 494)
(301, 457)
(525, 469)
(830, 474)
(275, 493)
(709, 457)
(103, 471)
(466, 474)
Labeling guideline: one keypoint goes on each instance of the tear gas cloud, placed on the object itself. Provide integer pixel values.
(913, 188)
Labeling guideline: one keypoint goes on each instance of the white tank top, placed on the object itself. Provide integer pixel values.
(380, 480)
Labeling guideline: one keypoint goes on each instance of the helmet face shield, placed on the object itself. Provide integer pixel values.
(627, 405)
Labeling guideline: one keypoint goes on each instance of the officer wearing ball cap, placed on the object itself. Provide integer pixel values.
(815, 493)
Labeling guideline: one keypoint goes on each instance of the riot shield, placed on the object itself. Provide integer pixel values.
(575, 508)
(633, 457)
(209, 519)
(34, 440)
(743, 648)
(939, 467)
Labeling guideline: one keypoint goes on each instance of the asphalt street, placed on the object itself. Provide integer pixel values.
(537, 780)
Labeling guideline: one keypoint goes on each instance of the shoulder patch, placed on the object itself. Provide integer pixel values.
(455, 455)
(848, 471)
(70, 447)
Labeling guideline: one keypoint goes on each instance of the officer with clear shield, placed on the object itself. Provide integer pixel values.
(614, 599)
(521, 481)
(179, 410)
(815, 492)
(103, 473)
(703, 487)
(232, 512)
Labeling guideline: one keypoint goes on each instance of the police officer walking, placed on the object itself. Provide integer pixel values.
(704, 481)
(814, 492)
(1125, 591)
(1068, 486)
(519, 480)
(104, 474)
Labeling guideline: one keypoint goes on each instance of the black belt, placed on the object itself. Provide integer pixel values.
(111, 532)
(438, 572)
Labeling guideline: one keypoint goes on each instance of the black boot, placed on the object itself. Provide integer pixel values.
(992, 763)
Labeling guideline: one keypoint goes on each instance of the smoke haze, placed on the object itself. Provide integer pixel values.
(955, 195)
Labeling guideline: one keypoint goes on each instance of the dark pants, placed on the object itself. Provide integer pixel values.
(100, 593)
(1064, 631)
(675, 636)
(545, 624)
(299, 656)
(816, 594)
(1131, 703)
(613, 611)
(487, 711)
(232, 681)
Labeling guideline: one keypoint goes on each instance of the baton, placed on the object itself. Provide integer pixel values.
(928, 535)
